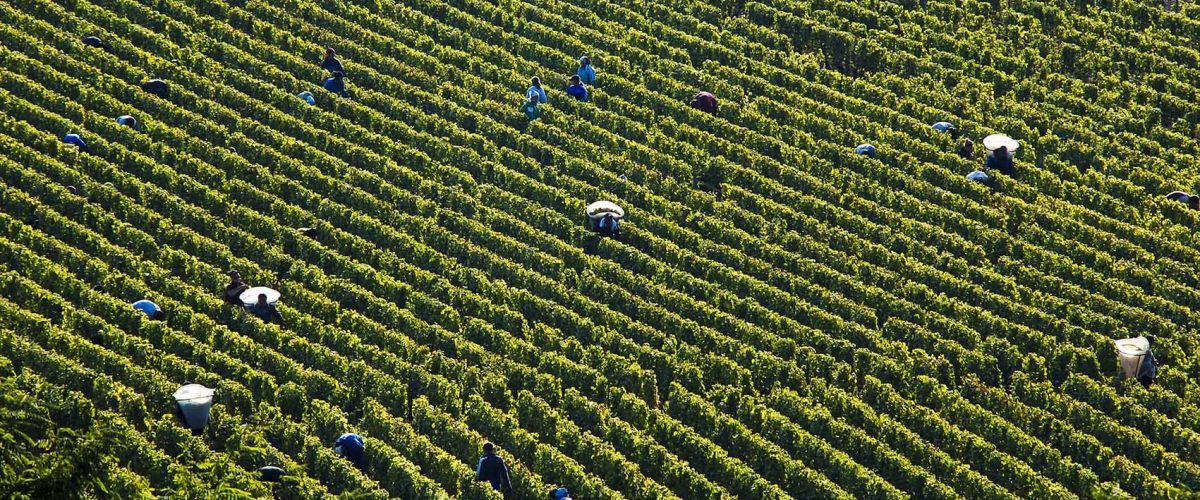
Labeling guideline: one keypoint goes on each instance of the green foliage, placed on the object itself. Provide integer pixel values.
(781, 319)
(40, 457)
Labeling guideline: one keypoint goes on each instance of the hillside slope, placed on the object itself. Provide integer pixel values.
(812, 323)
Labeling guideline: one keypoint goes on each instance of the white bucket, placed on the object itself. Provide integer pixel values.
(194, 402)
(1131, 352)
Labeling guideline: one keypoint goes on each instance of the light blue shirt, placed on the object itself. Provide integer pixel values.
(541, 93)
(587, 75)
(146, 306)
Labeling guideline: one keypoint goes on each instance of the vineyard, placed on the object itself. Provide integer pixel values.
(806, 323)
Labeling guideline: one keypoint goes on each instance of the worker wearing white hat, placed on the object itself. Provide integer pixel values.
(1000, 149)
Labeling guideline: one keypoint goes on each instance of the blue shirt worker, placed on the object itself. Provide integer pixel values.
(491, 468)
(1001, 160)
(586, 72)
(127, 121)
(978, 176)
(75, 140)
(336, 84)
(1192, 201)
(608, 226)
(266, 311)
(95, 41)
(149, 308)
(946, 128)
(157, 87)
(577, 90)
(865, 149)
(536, 89)
(351, 447)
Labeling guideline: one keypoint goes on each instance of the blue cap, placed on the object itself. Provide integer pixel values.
(865, 149)
(561, 493)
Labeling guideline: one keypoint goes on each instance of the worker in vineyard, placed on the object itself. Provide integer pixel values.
(946, 128)
(1179, 196)
(705, 101)
(350, 446)
(967, 149)
(127, 121)
(266, 311)
(609, 226)
(150, 309)
(560, 494)
(1000, 159)
(586, 73)
(77, 141)
(1148, 371)
(331, 62)
(157, 87)
(1149, 368)
(271, 473)
(535, 89)
(866, 150)
(530, 108)
(978, 176)
(492, 469)
(576, 89)
(1192, 201)
(336, 84)
(308, 97)
(233, 291)
(95, 41)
